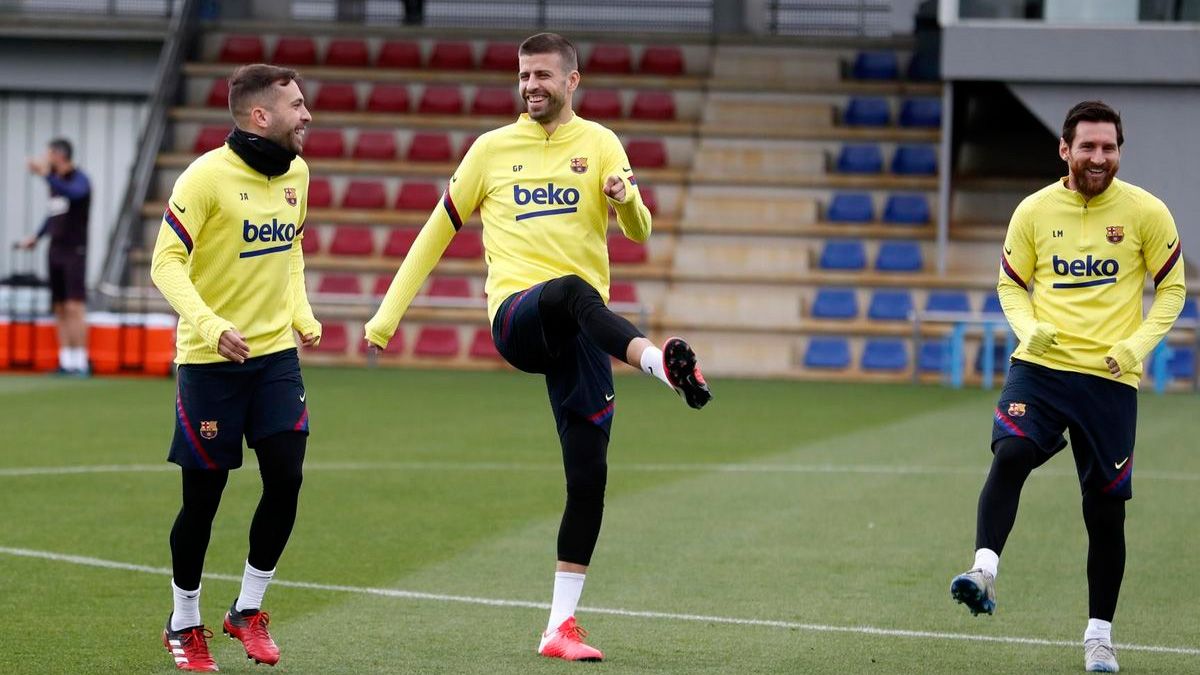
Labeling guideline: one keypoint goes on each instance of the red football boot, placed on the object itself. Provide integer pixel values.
(189, 647)
(251, 628)
(566, 643)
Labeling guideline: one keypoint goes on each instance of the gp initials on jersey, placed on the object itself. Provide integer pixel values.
(1097, 271)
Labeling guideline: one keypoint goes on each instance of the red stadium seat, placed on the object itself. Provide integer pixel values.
(466, 245)
(600, 104)
(399, 54)
(625, 252)
(334, 339)
(342, 284)
(352, 240)
(242, 49)
(295, 51)
(646, 153)
(418, 196)
(653, 105)
(399, 241)
(467, 142)
(452, 56)
(324, 143)
(388, 98)
(347, 53)
(437, 342)
(210, 138)
(320, 193)
(218, 94)
(441, 100)
(623, 292)
(449, 287)
(375, 145)
(394, 348)
(336, 97)
(611, 58)
(428, 146)
(382, 282)
(310, 243)
(365, 194)
(494, 101)
(649, 198)
(500, 56)
(482, 346)
(661, 60)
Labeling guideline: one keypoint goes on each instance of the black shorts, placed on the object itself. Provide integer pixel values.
(1041, 403)
(219, 403)
(578, 374)
(68, 276)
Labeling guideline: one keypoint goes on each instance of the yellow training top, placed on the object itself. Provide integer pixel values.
(544, 211)
(1087, 263)
(228, 256)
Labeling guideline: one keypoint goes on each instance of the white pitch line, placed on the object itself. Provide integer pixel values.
(524, 604)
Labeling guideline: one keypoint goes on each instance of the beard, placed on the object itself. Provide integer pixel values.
(287, 139)
(550, 109)
(1088, 184)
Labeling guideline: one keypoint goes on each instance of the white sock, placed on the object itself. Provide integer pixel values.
(568, 586)
(187, 608)
(1098, 629)
(652, 363)
(66, 358)
(254, 586)
(81, 358)
(987, 560)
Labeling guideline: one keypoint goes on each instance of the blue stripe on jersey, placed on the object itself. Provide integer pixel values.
(180, 230)
(549, 212)
(1085, 284)
(265, 251)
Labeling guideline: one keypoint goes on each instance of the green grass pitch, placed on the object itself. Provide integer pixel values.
(787, 521)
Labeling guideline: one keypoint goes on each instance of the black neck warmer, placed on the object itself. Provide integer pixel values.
(262, 154)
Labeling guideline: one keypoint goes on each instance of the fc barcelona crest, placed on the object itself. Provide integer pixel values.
(1115, 234)
(579, 164)
(208, 430)
(1016, 409)
(289, 194)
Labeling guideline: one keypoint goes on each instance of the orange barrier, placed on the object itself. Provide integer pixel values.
(131, 343)
(28, 345)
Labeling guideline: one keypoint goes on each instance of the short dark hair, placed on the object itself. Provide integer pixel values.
(248, 82)
(552, 43)
(1091, 111)
(62, 146)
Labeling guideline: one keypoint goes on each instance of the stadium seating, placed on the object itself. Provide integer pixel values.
(899, 256)
(437, 342)
(324, 144)
(890, 305)
(921, 112)
(947, 301)
(915, 160)
(210, 138)
(482, 346)
(449, 287)
(382, 282)
(388, 98)
(336, 97)
(867, 112)
(415, 196)
(600, 104)
(827, 353)
(991, 306)
(334, 339)
(242, 49)
(394, 348)
(351, 240)
(932, 358)
(466, 245)
(622, 292)
(835, 303)
(885, 354)
(1189, 310)
(851, 207)
(399, 241)
(365, 194)
(615, 59)
(876, 66)
(377, 146)
(847, 254)
(310, 243)
(499, 56)
(649, 198)
(218, 94)
(466, 144)
(661, 60)
(399, 54)
(999, 358)
(622, 251)
(924, 67)
(1182, 365)
(653, 105)
(494, 101)
(860, 159)
(347, 53)
(429, 146)
(342, 284)
(440, 100)
(646, 153)
(320, 193)
(295, 51)
(906, 209)
(452, 56)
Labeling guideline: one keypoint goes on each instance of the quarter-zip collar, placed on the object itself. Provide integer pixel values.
(1111, 193)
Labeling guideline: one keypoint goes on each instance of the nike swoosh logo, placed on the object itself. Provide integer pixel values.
(626, 169)
(305, 394)
(609, 397)
(1008, 250)
(1172, 244)
(183, 210)
(1121, 463)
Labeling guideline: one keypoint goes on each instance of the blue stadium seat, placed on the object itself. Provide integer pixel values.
(899, 256)
(867, 111)
(876, 66)
(827, 352)
(915, 160)
(835, 303)
(885, 354)
(906, 209)
(860, 159)
(921, 112)
(932, 358)
(1189, 310)
(890, 305)
(1182, 365)
(948, 301)
(844, 254)
(851, 207)
(924, 67)
(992, 305)
(999, 360)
